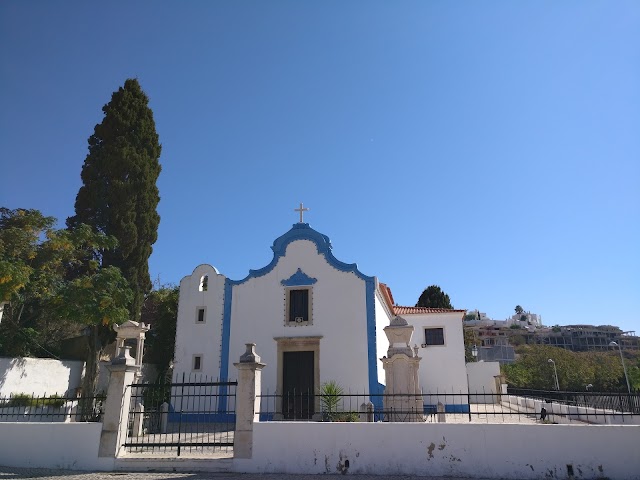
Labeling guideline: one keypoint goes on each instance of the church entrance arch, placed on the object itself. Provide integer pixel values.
(298, 376)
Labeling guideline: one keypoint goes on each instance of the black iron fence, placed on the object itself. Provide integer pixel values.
(190, 414)
(607, 401)
(483, 407)
(24, 407)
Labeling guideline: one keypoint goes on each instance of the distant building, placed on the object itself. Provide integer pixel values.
(497, 337)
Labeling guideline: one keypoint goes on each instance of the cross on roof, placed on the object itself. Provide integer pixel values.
(301, 210)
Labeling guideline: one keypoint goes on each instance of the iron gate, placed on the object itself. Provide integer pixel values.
(191, 414)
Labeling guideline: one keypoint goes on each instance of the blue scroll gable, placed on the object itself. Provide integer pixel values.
(302, 231)
(299, 279)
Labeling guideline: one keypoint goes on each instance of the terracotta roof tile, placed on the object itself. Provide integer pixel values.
(387, 295)
(417, 310)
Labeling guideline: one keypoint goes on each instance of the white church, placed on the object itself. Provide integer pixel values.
(314, 319)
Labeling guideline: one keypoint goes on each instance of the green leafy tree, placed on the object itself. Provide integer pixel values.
(519, 309)
(119, 195)
(575, 369)
(434, 297)
(21, 231)
(160, 311)
(98, 300)
(470, 341)
(34, 262)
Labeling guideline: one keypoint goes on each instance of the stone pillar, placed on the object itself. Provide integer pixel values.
(247, 401)
(116, 408)
(403, 396)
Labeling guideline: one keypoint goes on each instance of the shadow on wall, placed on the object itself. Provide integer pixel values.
(39, 376)
(7, 365)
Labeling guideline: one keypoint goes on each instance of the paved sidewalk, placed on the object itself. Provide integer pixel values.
(7, 473)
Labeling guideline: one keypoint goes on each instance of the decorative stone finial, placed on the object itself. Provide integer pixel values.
(124, 358)
(250, 356)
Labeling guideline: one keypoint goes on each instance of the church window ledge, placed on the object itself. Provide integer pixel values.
(201, 315)
(196, 363)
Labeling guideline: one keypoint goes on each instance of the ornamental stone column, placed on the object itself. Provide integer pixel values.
(123, 370)
(247, 401)
(403, 396)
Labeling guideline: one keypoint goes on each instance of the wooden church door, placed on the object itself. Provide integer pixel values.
(297, 385)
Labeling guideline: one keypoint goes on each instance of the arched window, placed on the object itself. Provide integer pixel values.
(204, 283)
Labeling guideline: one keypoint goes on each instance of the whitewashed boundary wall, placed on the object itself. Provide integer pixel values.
(449, 450)
(482, 379)
(39, 376)
(52, 445)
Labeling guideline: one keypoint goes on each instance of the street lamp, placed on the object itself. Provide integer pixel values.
(589, 387)
(624, 367)
(555, 373)
(474, 352)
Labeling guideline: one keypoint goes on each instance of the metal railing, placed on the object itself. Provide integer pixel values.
(478, 407)
(621, 402)
(190, 414)
(50, 408)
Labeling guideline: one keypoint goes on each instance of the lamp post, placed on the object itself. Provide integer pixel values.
(555, 373)
(624, 367)
(474, 352)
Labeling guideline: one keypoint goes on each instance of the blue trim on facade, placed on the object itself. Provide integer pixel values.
(430, 408)
(299, 279)
(201, 417)
(302, 231)
(226, 337)
(372, 353)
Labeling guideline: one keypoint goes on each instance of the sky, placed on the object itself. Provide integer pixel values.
(490, 148)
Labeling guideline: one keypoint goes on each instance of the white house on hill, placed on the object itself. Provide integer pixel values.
(314, 319)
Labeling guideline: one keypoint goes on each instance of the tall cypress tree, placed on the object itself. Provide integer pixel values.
(434, 297)
(119, 195)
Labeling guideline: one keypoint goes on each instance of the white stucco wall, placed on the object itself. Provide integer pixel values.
(338, 316)
(71, 446)
(39, 376)
(482, 383)
(383, 319)
(192, 337)
(445, 450)
(442, 369)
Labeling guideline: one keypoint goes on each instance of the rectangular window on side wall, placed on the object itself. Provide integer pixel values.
(197, 363)
(434, 336)
(299, 310)
(201, 314)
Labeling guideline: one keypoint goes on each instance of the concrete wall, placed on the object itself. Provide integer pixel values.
(52, 445)
(474, 451)
(482, 382)
(39, 376)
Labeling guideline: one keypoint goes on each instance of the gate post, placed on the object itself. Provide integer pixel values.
(247, 401)
(116, 409)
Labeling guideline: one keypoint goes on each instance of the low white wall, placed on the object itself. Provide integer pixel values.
(52, 445)
(39, 376)
(482, 381)
(476, 451)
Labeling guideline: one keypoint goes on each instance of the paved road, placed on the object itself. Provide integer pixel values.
(7, 473)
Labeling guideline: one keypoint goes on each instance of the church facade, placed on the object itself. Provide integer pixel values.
(314, 319)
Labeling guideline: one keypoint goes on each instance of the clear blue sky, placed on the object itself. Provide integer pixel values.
(492, 148)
